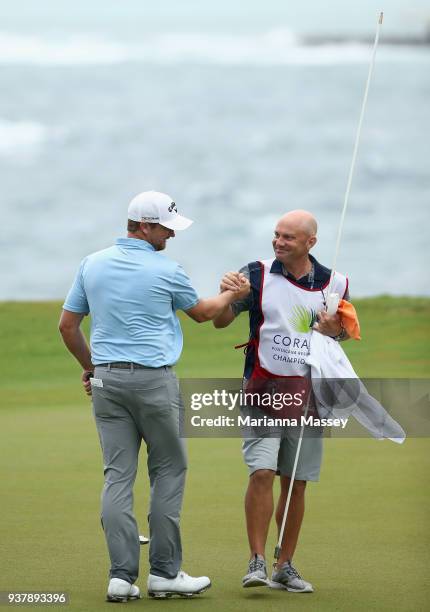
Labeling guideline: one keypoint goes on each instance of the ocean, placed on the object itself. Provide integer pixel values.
(238, 125)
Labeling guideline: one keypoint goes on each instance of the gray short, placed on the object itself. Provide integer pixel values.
(276, 450)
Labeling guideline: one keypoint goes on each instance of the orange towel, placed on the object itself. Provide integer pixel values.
(349, 318)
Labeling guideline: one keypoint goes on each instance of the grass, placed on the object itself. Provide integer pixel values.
(365, 539)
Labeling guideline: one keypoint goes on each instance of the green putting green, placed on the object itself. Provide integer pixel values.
(365, 539)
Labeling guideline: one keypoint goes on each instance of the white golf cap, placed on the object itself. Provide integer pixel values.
(156, 207)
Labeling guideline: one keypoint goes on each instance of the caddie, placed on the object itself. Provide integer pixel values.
(287, 300)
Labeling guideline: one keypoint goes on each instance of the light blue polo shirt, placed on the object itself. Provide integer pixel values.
(132, 293)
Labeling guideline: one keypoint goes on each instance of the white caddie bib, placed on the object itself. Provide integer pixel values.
(289, 312)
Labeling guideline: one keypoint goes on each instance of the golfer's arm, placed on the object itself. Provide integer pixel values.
(74, 339)
(211, 308)
(225, 318)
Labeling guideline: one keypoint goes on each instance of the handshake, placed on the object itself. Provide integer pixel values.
(237, 283)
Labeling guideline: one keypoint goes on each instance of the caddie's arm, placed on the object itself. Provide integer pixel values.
(212, 308)
(331, 325)
(76, 343)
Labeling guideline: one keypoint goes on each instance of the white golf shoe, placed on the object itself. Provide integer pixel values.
(183, 585)
(120, 591)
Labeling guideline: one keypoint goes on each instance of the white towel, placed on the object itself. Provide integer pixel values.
(340, 393)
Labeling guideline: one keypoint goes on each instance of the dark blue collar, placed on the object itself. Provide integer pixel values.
(321, 274)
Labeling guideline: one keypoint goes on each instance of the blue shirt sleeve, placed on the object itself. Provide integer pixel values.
(76, 300)
(184, 295)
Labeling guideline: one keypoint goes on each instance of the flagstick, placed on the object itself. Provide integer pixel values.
(329, 294)
(292, 477)
(354, 157)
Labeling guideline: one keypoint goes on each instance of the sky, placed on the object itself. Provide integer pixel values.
(311, 16)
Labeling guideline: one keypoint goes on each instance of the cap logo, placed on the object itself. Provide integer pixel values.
(172, 208)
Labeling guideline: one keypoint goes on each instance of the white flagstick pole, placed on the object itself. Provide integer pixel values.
(332, 298)
(290, 488)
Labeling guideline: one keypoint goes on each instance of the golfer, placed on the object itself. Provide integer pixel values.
(286, 294)
(132, 293)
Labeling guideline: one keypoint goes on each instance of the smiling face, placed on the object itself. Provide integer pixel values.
(294, 237)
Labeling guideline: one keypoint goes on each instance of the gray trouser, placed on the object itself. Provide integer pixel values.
(136, 404)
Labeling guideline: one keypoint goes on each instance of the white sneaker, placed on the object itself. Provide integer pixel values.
(121, 591)
(143, 540)
(183, 585)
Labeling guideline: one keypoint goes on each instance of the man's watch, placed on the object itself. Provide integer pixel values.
(342, 335)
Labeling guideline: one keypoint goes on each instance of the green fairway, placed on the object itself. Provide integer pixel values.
(365, 539)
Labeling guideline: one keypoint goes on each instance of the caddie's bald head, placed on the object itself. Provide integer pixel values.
(302, 220)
